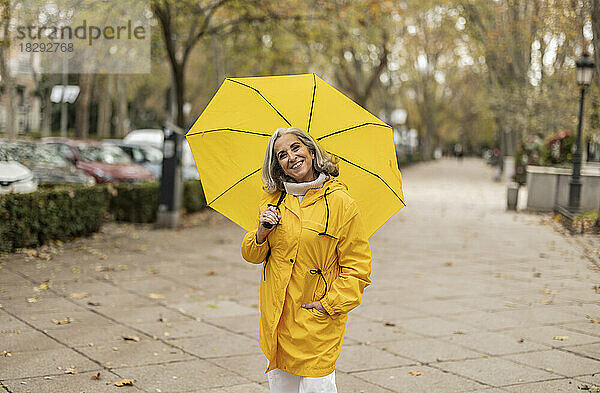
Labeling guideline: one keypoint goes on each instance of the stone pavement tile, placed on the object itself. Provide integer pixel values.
(433, 326)
(484, 320)
(181, 376)
(10, 323)
(432, 380)
(18, 291)
(245, 388)
(590, 350)
(559, 362)
(593, 329)
(95, 287)
(127, 354)
(427, 350)
(585, 294)
(25, 341)
(10, 278)
(366, 357)
(135, 315)
(107, 334)
(493, 343)
(386, 312)
(590, 379)
(43, 303)
(438, 307)
(82, 318)
(249, 366)
(81, 382)
(243, 324)
(347, 383)
(495, 372)
(215, 309)
(118, 298)
(177, 329)
(367, 331)
(540, 315)
(39, 363)
(565, 385)
(546, 335)
(224, 344)
(485, 303)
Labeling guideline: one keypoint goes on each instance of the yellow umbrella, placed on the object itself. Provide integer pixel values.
(230, 137)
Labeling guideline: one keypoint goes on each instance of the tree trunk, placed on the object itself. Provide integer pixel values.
(82, 115)
(178, 74)
(122, 115)
(595, 16)
(105, 93)
(46, 113)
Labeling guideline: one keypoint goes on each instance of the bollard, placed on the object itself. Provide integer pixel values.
(512, 196)
(170, 192)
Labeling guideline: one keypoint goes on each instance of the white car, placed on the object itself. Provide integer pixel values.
(155, 137)
(16, 178)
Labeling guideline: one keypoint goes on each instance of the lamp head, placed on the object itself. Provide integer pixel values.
(585, 70)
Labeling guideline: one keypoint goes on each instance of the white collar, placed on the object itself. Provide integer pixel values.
(298, 189)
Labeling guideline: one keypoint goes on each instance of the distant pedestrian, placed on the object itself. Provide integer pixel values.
(317, 262)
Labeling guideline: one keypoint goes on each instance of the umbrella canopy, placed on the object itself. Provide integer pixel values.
(230, 137)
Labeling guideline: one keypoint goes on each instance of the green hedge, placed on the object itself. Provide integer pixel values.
(62, 211)
(29, 220)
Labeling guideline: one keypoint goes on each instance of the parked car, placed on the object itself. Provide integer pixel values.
(145, 155)
(105, 162)
(15, 177)
(154, 137)
(45, 162)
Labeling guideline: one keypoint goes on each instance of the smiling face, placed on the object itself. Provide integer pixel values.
(294, 158)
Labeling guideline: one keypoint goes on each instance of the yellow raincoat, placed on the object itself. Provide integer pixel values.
(319, 251)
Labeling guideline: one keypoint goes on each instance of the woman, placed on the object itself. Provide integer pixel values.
(317, 262)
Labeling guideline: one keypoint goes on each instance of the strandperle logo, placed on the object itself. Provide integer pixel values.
(84, 32)
(82, 36)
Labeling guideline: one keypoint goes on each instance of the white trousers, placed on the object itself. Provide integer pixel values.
(282, 382)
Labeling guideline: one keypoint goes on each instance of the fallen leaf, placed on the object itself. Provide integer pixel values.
(5, 353)
(33, 300)
(156, 296)
(79, 295)
(70, 371)
(521, 340)
(92, 303)
(458, 332)
(596, 288)
(108, 268)
(213, 306)
(43, 286)
(131, 338)
(448, 264)
(415, 373)
(108, 363)
(96, 377)
(590, 388)
(546, 301)
(211, 272)
(125, 382)
(62, 321)
(537, 275)
(560, 338)
(389, 324)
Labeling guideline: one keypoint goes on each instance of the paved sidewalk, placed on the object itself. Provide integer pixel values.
(466, 297)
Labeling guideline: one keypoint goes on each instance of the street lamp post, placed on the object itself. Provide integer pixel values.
(585, 69)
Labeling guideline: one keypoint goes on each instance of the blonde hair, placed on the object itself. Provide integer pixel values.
(273, 175)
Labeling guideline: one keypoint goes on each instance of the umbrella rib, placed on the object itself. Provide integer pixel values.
(352, 128)
(235, 184)
(229, 129)
(263, 97)
(312, 103)
(374, 174)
